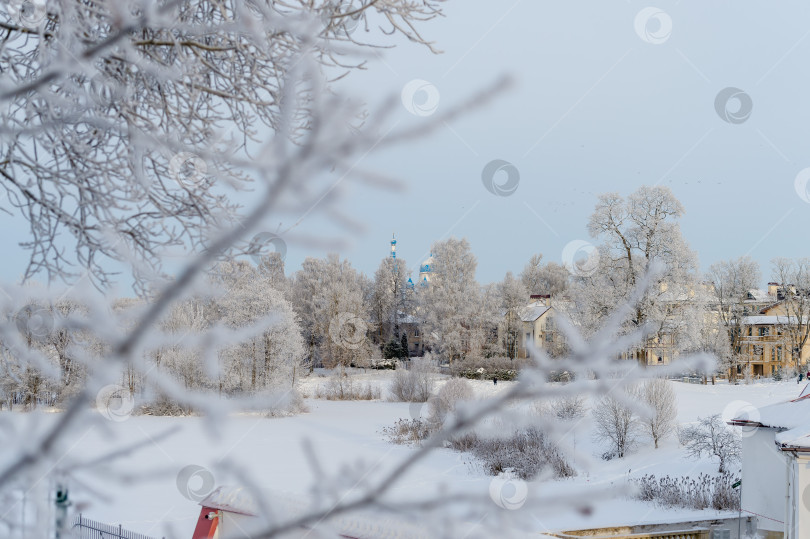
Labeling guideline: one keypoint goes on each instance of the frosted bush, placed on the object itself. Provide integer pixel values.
(414, 384)
(444, 403)
(342, 386)
(703, 492)
(568, 408)
(526, 453)
(406, 431)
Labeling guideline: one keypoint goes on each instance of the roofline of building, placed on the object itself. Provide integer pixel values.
(747, 423)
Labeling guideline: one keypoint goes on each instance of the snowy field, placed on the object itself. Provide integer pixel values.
(347, 433)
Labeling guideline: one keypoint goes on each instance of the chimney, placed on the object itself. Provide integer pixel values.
(773, 289)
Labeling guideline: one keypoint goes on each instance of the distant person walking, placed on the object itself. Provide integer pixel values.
(495, 380)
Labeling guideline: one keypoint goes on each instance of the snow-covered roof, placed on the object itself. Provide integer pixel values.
(533, 311)
(403, 318)
(791, 418)
(362, 525)
(765, 320)
(784, 415)
(231, 499)
(796, 438)
(758, 295)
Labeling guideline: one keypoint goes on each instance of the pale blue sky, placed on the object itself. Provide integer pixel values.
(595, 108)
(598, 109)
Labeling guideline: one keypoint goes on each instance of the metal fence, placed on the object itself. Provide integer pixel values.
(84, 528)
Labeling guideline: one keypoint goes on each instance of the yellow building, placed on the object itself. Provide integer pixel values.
(768, 340)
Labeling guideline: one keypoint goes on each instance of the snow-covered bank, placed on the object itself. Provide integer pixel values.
(269, 451)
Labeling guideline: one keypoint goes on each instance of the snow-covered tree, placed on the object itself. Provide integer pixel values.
(389, 298)
(617, 423)
(731, 280)
(531, 276)
(713, 437)
(271, 268)
(539, 278)
(269, 357)
(512, 299)
(137, 112)
(793, 275)
(447, 305)
(640, 233)
(192, 101)
(659, 397)
(329, 300)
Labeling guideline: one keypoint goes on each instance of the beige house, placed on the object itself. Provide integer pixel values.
(768, 340)
(538, 327)
(657, 350)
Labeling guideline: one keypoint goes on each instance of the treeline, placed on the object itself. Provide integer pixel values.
(255, 328)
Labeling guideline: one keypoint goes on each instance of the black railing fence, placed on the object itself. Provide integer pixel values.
(84, 528)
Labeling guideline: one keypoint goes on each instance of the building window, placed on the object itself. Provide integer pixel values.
(773, 354)
(763, 332)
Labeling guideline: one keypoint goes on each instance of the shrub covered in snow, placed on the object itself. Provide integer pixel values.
(487, 368)
(568, 408)
(383, 364)
(408, 431)
(161, 405)
(414, 384)
(444, 403)
(292, 405)
(341, 386)
(526, 453)
(702, 492)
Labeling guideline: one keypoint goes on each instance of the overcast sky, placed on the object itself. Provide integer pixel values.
(597, 108)
(602, 102)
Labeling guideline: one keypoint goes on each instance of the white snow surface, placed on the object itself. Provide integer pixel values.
(783, 415)
(269, 452)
